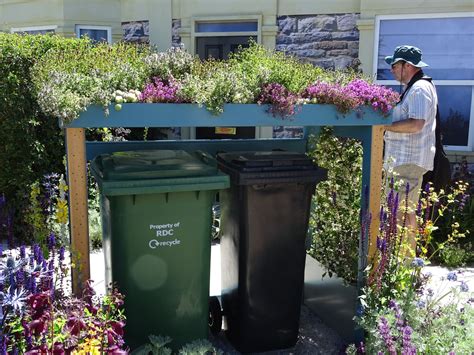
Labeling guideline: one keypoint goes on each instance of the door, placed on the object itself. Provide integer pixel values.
(219, 47)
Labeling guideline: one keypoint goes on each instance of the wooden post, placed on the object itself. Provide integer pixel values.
(79, 227)
(376, 163)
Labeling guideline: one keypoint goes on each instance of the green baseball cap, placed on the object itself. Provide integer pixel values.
(409, 54)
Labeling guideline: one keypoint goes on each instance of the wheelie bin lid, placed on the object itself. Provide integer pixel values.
(254, 167)
(149, 171)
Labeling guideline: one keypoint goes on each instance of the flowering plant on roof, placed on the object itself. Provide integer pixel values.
(67, 82)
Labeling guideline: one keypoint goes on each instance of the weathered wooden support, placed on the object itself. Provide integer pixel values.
(78, 218)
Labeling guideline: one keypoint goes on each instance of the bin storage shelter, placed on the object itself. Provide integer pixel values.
(364, 124)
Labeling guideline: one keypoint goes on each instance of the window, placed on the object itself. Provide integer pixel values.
(95, 33)
(217, 37)
(447, 42)
(35, 30)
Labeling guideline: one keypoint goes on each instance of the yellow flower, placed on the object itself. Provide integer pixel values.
(61, 212)
(90, 346)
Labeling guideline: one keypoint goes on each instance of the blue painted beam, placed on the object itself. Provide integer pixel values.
(234, 115)
(210, 146)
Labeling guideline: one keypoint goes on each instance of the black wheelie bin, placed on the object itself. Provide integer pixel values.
(264, 225)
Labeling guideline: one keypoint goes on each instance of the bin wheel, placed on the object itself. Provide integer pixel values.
(215, 315)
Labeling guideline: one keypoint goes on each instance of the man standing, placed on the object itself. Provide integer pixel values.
(410, 140)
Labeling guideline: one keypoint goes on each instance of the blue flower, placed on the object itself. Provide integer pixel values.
(452, 276)
(418, 262)
(421, 304)
(464, 286)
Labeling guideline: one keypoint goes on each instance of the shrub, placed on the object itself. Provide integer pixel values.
(32, 143)
(334, 219)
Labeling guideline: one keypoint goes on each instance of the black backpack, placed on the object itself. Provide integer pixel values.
(440, 176)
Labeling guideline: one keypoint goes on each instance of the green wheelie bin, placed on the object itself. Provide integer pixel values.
(156, 208)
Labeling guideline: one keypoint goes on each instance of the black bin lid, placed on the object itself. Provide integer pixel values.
(266, 161)
(254, 167)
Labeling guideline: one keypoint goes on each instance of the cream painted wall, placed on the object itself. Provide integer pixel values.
(158, 12)
(309, 7)
(17, 13)
(95, 13)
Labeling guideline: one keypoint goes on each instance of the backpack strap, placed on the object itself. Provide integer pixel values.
(421, 76)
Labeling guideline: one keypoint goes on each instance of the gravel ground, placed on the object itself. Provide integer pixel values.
(314, 338)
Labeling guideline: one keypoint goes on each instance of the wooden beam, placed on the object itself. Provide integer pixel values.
(376, 163)
(78, 212)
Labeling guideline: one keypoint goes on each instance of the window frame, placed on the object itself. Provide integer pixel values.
(219, 19)
(34, 28)
(379, 18)
(78, 29)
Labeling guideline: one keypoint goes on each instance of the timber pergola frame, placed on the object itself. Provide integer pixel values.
(365, 125)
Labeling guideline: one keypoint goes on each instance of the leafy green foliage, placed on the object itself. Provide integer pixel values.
(158, 346)
(68, 81)
(32, 144)
(334, 219)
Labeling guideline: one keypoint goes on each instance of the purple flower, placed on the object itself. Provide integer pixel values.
(22, 252)
(408, 348)
(61, 253)
(464, 286)
(161, 90)
(385, 333)
(452, 276)
(282, 102)
(51, 242)
(32, 285)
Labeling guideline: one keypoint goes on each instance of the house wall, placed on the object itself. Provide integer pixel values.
(306, 28)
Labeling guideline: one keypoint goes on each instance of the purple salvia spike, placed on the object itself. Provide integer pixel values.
(22, 252)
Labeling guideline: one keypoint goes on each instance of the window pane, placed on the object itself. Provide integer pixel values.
(447, 45)
(36, 32)
(94, 35)
(226, 26)
(455, 110)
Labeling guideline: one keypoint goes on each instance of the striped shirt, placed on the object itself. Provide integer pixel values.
(420, 102)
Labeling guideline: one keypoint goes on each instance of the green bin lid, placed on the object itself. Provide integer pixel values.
(151, 164)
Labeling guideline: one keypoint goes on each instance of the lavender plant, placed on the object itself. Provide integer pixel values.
(401, 312)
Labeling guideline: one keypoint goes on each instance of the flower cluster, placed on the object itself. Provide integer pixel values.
(161, 90)
(282, 102)
(355, 94)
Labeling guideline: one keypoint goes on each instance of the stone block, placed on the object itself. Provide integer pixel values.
(317, 23)
(287, 24)
(347, 22)
(338, 52)
(323, 63)
(346, 36)
(328, 45)
(309, 53)
(343, 62)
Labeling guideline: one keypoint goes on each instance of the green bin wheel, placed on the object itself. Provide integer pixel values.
(215, 315)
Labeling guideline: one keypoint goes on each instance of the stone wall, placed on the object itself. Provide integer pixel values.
(175, 37)
(136, 31)
(328, 41)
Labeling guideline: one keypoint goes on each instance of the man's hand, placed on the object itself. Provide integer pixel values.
(410, 125)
